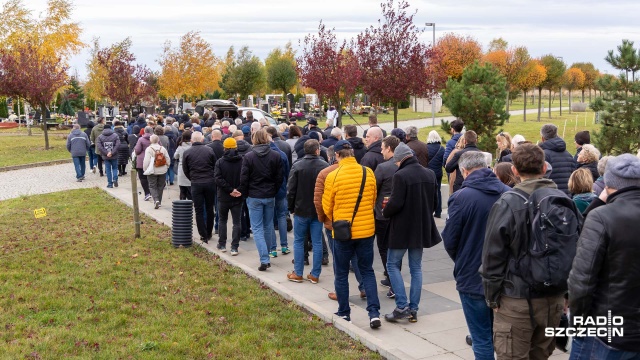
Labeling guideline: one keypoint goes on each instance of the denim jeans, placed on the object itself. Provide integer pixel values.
(171, 174)
(93, 158)
(80, 165)
(236, 210)
(261, 215)
(479, 319)
(344, 251)
(353, 262)
(394, 260)
(111, 168)
(280, 216)
(301, 226)
(592, 348)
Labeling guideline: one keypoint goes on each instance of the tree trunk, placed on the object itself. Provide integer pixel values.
(570, 101)
(549, 103)
(136, 208)
(582, 95)
(395, 115)
(524, 112)
(285, 96)
(508, 96)
(589, 95)
(539, 102)
(43, 108)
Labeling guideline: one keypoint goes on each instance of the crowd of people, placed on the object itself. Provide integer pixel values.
(387, 190)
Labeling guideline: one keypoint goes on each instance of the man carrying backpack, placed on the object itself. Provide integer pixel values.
(525, 291)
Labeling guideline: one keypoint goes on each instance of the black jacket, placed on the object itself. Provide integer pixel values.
(384, 132)
(436, 152)
(261, 174)
(217, 147)
(555, 152)
(606, 273)
(285, 148)
(505, 240)
(410, 207)
(123, 148)
(420, 150)
(592, 167)
(384, 181)
(301, 185)
(452, 165)
(198, 164)
(299, 148)
(373, 157)
(243, 147)
(358, 148)
(227, 175)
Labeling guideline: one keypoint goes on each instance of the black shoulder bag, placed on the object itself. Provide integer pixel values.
(342, 228)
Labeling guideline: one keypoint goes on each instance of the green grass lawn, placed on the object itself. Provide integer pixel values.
(76, 285)
(20, 149)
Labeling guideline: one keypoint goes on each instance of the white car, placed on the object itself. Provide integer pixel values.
(258, 114)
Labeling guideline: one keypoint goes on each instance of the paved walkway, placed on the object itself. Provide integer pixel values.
(441, 329)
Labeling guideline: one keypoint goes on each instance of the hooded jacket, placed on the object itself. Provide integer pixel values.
(410, 207)
(373, 156)
(555, 152)
(261, 174)
(107, 142)
(78, 143)
(301, 185)
(464, 231)
(95, 132)
(505, 240)
(243, 147)
(358, 148)
(227, 175)
(89, 128)
(123, 149)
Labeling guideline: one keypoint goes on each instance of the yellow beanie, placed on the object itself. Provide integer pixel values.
(230, 143)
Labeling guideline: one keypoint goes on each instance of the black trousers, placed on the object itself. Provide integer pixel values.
(185, 192)
(245, 229)
(143, 181)
(382, 239)
(223, 212)
(203, 200)
(100, 167)
(122, 169)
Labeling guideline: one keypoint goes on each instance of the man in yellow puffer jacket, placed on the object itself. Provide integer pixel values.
(338, 202)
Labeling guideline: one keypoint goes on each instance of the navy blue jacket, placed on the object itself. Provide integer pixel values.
(436, 157)
(451, 144)
(555, 152)
(463, 234)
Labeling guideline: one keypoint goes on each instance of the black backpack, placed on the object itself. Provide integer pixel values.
(554, 228)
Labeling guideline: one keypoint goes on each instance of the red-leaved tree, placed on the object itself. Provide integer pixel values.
(127, 83)
(26, 73)
(330, 69)
(394, 61)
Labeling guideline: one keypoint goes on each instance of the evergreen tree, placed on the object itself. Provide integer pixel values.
(75, 95)
(4, 111)
(478, 99)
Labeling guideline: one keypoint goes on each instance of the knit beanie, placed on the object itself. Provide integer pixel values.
(622, 171)
(399, 133)
(230, 143)
(402, 152)
(246, 130)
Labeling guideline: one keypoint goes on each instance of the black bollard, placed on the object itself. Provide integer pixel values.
(182, 221)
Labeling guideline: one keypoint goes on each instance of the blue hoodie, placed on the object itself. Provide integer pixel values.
(286, 167)
(463, 235)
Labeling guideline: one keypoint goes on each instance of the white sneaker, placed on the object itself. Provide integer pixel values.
(147, 198)
(93, 169)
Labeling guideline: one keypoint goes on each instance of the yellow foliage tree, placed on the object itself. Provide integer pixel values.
(455, 53)
(510, 63)
(574, 78)
(189, 70)
(530, 76)
(94, 88)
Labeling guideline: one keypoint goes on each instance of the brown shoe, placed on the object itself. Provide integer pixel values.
(363, 295)
(333, 296)
(295, 278)
(313, 279)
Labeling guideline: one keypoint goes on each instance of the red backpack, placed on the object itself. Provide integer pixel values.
(159, 159)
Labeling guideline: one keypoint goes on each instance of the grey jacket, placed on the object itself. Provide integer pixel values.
(78, 143)
(384, 178)
(108, 142)
(182, 178)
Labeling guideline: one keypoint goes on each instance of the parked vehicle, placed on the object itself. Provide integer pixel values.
(218, 106)
(259, 114)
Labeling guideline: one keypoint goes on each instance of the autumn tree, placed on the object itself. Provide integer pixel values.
(478, 99)
(393, 59)
(330, 69)
(555, 70)
(497, 44)
(127, 83)
(590, 76)
(281, 71)
(455, 53)
(530, 77)
(573, 79)
(243, 74)
(191, 69)
(510, 63)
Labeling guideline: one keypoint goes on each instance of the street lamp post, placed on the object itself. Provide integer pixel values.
(561, 59)
(433, 81)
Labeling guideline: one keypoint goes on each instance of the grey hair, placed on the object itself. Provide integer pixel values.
(549, 131)
(331, 152)
(225, 123)
(197, 137)
(216, 133)
(167, 128)
(434, 138)
(590, 152)
(516, 140)
(238, 122)
(336, 132)
(412, 132)
(602, 164)
(472, 160)
(255, 126)
(148, 130)
(154, 139)
(329, 122)
(232, 128)
(76, 126)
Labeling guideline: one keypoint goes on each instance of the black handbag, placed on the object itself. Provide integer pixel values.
(342, 228)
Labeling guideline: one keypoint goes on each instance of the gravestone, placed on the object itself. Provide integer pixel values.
(82, 118)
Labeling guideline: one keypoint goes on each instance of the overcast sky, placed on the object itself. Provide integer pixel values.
(577, 30)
